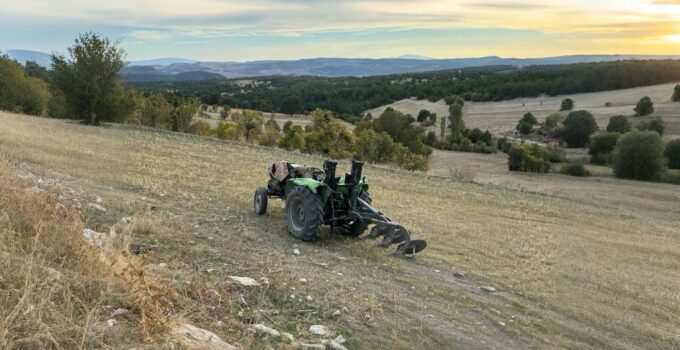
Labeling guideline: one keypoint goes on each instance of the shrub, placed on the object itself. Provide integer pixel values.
(453, 100)
(529, 158)
(409, 160)
(619, 123)
(639, 155)
(293, 138)
(20, 92)
(601, 146)
(672, 153)
(524, 128)
(567, 104)
(529, 119)
(328, 136)
(644, 107)
(671, 177)
(287, 125)
(225, 131)
(248, 125)
(272, 123)
(676, 94)
(431, 138)
(576, 168)
(553, 154)
(199, 127)
(578, 126)
(375, 147)
(269, 137)
(423, 115)
(656, 124)
(156, 111)
(552, 122)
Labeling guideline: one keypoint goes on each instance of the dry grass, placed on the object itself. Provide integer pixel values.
(579, 263)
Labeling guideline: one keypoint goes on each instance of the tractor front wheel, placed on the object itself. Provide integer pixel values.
(260, 201)
(304, 211)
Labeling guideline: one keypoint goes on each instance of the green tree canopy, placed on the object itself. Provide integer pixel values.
(676, 94)
(88, 79)
(672, 153)
(20, 92)
(601, 146)
(578, 126)
(327, 135)
(644, 107)
(639, 155)
(619, 123)
(248, 124)
(291, 105)
(567, 104)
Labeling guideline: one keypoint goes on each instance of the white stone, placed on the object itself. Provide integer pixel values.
(337, 313)
(94, 237)
(320, 330)
(96, 207)
(335, 345)
(296, 251)
(266, 330)
(340, 339)
(287, 336)
(312, 346)
(488, 289)
(303, 280)
(99, 199)
(118, 312)
(244, 281)
(192, 337)
(309, 298)
(111, 322)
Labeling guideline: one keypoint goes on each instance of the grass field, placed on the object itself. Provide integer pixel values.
(501, 117)
(578, 263)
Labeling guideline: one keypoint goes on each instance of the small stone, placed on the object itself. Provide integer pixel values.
(162, 265)
(336, 346)
(488, 289)
(126, 219)
(219, 324)
(320, 330)
(459, 274)
(304, 346)
(111, 322)
(98, 199)
(287, 336)
(345, 309)
(192, 337)
(292, 296)
(118, 312)
(296, 251)
(430, 316)
(260, 328)
(340, 339)
(337, 313)
(309, 299)
(96, 207)
(264, 280)
(502, 324)
(303, 280)
(437, 271)
(244, 281)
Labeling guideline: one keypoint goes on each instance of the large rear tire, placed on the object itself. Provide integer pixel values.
(260, 201)
(357, 227)
(304, 211)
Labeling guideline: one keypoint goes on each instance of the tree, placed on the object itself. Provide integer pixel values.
(35, 70)
(442, 129)
(433, 118)
(431, 138)
(293, 138)
(619, 123)
(272, 123)
(328, 136)
(639, 155)
(676, 94)
(423, 115)
(456, 122)
(531, 158)
(225, 131)
(578, 126)
(291, 105)
(248, 124)
(287, 125)
(454, 100)
(20, 92)
(270, 137)
(644, 107)
(526, 124)
(156, 111)
(88, 79)
(567, 104)
(672, 153)
(399, 127)
(552, 122)
(656, 124)
(224, 112)
(601, 147)
(183, 111)
(374, 147)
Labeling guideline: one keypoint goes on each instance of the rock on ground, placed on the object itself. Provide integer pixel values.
(488, 289)
(312, 346)
(244, 281)
(320, 330)
(192, 337)
(260, 328)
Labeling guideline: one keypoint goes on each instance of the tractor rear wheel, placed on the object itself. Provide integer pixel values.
(260, 201)
(304, 211)
(357, 227)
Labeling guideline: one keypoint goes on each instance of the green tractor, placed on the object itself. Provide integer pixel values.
(316, 197)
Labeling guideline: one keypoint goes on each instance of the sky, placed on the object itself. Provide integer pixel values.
(231, 30)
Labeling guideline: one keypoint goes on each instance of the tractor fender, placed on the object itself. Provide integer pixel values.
(317, 187)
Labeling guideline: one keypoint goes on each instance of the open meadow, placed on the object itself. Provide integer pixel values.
(576, 263)
(502, 117)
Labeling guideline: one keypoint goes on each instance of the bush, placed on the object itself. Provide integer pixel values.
(671, 177)
(524, 128)
(639, 155)
(578, 126)
(225, 131)
(567, 104)
(656, 124)
(199, 127)
(676, 94)
(431, 139)
(409, 160)
(552, 122)
(619, 123)
(19, 92)
(293, 138)
(454, 99)
(601, 147)
(375, 147)
(672, 153)
(269, 137)
(423, 115)
(576, 168)
(644, 107)
(531, 158)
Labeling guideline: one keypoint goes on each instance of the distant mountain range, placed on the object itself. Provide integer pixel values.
(185, 69)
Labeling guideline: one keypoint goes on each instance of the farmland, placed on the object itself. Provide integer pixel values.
(577, 263)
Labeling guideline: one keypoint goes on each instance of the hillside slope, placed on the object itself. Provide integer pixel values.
(569, 272)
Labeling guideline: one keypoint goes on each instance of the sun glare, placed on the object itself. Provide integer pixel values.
(675, 38)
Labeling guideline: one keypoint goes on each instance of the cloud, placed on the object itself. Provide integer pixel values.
(149, 35)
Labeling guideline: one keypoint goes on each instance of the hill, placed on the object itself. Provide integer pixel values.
(571, 268)
(21, 56)
(362, 67)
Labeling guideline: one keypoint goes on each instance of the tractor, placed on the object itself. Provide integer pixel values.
(315, 197)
